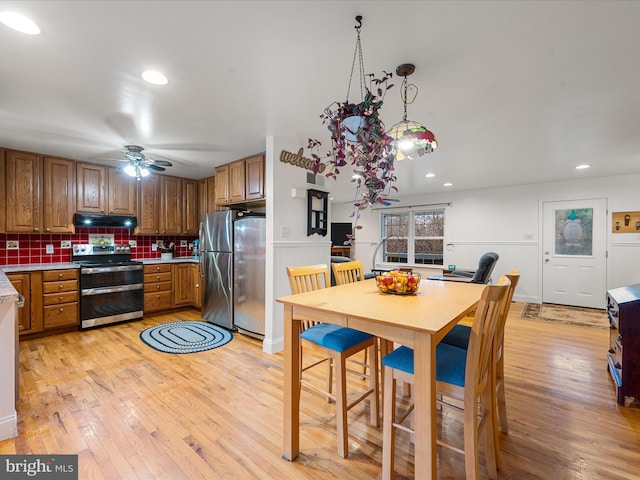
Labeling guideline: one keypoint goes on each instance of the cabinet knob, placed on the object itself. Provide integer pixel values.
(36, 229)
(158, 277)
(61, 297)
(60, 286)
(158, 287)
(101, 211)
(59, 275)
(158, 268)
(61, 309)
(48, 229)
(612, 350)
(157, 296)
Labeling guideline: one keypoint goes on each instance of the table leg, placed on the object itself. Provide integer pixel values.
(292, 367)
(424, 396)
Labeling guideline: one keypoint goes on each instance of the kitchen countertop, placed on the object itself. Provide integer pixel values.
(9, 294)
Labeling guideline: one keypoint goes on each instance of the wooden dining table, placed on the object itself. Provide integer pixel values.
(418, 321)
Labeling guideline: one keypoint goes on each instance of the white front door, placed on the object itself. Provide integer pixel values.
(574, 255)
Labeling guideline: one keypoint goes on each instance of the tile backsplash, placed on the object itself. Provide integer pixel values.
(32, 248)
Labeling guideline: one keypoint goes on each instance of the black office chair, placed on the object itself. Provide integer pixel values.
(482, 275)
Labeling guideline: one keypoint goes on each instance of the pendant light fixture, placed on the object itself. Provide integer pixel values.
(410, 139)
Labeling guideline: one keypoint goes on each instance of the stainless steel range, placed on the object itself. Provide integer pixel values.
(111, 284)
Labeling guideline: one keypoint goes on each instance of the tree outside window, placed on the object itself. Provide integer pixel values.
(414, 237)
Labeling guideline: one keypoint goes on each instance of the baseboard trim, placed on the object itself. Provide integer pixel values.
(9, 427)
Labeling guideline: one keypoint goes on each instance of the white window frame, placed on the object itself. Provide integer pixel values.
(411, 238)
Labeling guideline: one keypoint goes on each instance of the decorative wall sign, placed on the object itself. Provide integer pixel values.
(300, 161)
(574, 231)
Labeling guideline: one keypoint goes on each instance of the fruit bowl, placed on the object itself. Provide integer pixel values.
(398, 282)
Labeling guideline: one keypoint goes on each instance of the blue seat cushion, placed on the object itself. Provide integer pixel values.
(458, 336)
(451, 362)
(335, 337)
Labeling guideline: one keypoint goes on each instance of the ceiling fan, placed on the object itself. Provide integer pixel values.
(138, 165)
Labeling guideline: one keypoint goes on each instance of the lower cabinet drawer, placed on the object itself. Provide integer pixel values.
(62, 297)
(157, 287)
(157, 301)
(62, 286)
(61, 315)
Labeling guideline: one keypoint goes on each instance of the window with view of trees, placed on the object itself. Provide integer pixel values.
(414, 237)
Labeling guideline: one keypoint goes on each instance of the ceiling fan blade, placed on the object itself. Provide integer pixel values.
(155, 167)
(163, 163)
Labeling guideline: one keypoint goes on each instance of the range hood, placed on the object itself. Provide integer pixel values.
(95, 220)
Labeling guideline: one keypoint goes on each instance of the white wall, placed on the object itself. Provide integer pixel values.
(284, 211)
(508, 220)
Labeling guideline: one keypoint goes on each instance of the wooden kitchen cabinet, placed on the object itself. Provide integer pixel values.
(190, 216)
(22, 283)
(29, 285)
(158, 287)
(91, 188)
(207, 195)
(148, 206)
(24, 203)
(60, 298)
(184, 293)
(59, 195)
(222, 185)
(170, 221)
(121, 193)
(237, 182)
(240, 181)
(40, 193)
(254, 177)
(3, 193)
(101, 189)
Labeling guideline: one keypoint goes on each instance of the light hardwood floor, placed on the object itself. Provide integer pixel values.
(131, 412)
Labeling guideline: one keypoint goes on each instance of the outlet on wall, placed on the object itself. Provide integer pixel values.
(49, 248)
(154, 247)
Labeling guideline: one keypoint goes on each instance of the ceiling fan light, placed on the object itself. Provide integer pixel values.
(144, 171)
(130, 170)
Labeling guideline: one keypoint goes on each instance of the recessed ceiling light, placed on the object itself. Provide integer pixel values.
(447, 184)
(19, 22)
(155, 77)
(583, 166)
(430, 175)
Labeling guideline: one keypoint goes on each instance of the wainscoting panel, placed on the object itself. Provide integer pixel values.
(287, 254)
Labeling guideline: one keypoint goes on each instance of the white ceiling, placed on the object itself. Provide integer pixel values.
(517, 92)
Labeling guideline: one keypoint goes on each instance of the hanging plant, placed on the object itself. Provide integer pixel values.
(358, 139)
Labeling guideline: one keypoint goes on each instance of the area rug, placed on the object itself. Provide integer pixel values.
(584, 317)
(185, 337)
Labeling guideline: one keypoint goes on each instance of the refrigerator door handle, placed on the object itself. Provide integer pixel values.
(200, 255)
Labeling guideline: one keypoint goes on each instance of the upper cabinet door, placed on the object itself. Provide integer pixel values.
(221, 187)
(122, 193)
(190, 217)
(170, 205)
(148, 205)
(236, 181)
(254, 171)
(91, 188)
(3, 193)
(59, 195)
(24, 173)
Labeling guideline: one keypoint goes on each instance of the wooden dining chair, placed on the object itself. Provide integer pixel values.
(463, 375)
(459, 337)
(347, 272)
(336, 344)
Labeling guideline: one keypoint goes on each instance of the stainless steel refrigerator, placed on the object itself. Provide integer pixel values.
(232, 266)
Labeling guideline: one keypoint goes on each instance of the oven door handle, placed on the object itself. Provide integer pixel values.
(120, 288)
(122, 268)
